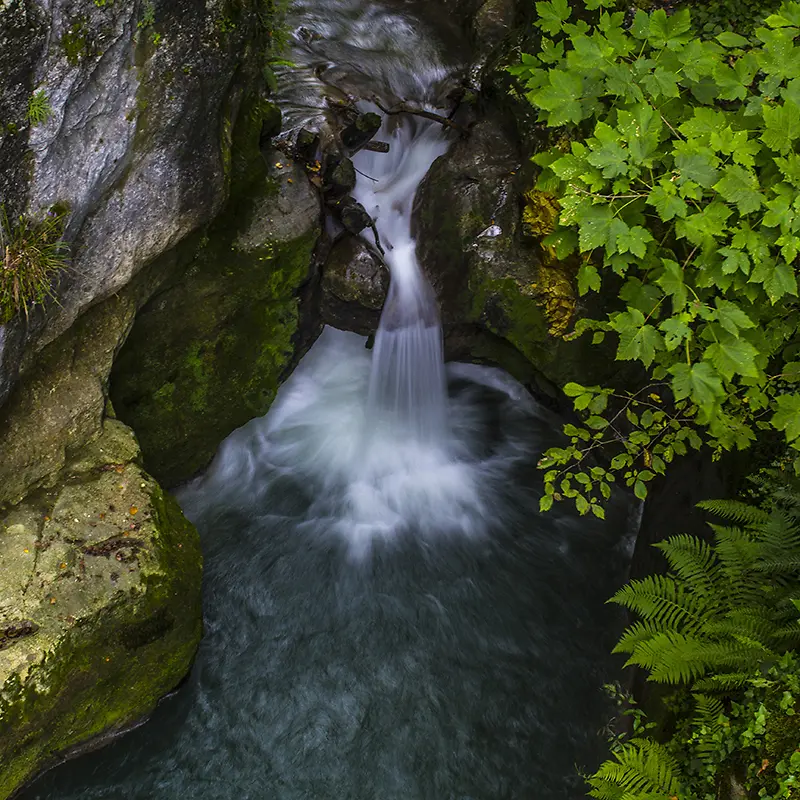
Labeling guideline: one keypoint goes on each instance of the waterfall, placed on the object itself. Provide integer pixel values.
(407, 385)
(387, 615)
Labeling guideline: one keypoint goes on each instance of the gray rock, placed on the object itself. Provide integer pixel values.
(489, 274)
(132, 142)
(100, 611)
(354, 286)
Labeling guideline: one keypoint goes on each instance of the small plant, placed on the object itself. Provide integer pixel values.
(148, 16)
(31, 253)
(39, 108)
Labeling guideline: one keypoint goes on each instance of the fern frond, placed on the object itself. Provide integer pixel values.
(735, 511)
(641, 770)
(709, 718)
(662, 600)
(693, 561)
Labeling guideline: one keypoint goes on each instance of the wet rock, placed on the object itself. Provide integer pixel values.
(339, 178)
(135, 139)
(354, 286)
(353, 216)
(356, 135)
(90, 643)
(484, 268)
(208, 352)
(59, 405)
(307, 145)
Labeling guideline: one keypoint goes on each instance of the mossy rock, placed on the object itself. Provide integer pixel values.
(480, 241)
(100, 608)
(209, 351)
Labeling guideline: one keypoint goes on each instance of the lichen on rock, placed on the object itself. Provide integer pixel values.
(100, 611)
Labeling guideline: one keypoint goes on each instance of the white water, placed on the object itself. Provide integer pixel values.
(407, 385)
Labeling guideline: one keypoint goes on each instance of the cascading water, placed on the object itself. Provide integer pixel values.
(407, 383)
(387, 615)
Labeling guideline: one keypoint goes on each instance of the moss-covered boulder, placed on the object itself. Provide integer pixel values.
(480, 242)
(100, 611)
(208, 352)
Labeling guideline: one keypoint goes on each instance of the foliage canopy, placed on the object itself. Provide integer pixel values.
(679, 185)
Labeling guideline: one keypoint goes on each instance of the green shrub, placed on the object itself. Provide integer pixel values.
(678, 180)
(721, 626)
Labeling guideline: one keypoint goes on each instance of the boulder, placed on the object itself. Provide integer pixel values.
(100, 611)
(354, 286)
(487, 265)
(133, 137)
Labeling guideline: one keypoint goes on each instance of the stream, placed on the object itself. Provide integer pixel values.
(387, 615)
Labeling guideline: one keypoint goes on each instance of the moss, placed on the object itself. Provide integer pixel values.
(107, 649)
(75, 41)
(202, 362)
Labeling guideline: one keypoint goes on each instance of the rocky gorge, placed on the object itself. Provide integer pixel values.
(211, 235)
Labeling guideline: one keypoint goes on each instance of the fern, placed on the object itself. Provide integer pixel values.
(735, 511)
(642, 769)
(723, 608)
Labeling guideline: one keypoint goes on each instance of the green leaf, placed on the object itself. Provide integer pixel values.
(778, 278)
(788, 16)
(552, 15)
(675, 331)
(667, 203)
(637, 339)
(641, 127)
(573, 389)
(545, 502)
(787, 417)
(669, 31)
(661, 83)
(739, 185)
(704, 123)
(634, 240)
(779, 56)
(671, 281)
(791, 372)
(561, 99)
(599, 227)
(640, 489)
(782, 126)
(730, 39)
(731, 316)
(588, 279)
(698, 164)
(607, 154)
(700, 382)
(734, 260)
(732, 356)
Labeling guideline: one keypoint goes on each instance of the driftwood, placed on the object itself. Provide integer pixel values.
(404, 108)
(376, 147)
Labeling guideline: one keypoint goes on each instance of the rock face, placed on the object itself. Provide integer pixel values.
(99, 606)
(207, 353)
(354, 286)
(143, 119)
(487, 265)
(134, 99)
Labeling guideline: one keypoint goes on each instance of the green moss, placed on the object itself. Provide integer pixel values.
(199, 364)
(76, 42)
(128, 648)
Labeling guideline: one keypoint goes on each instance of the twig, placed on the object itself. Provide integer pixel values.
(364, 174)
(403, 108)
